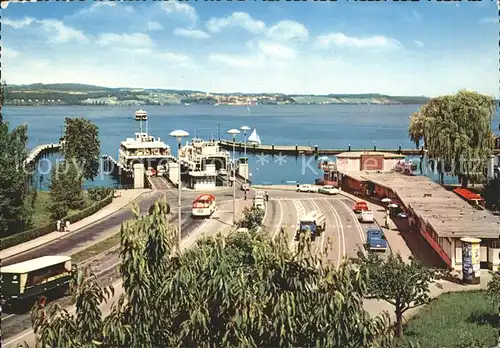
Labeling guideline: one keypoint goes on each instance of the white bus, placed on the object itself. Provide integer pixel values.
(203, 205)
(23, 283)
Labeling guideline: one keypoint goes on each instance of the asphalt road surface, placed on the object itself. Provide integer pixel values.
(344, 234)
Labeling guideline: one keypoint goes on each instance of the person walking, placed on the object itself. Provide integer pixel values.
(267, 197)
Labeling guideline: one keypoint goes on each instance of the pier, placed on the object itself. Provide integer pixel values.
(41, 150)
(111, 166)
(296, 150)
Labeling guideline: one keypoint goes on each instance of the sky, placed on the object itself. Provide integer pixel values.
(396, 48)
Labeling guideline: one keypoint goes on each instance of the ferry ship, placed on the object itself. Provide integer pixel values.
(144, 148)
(206, 163)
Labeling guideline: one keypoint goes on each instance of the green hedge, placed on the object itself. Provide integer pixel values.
(28, 235)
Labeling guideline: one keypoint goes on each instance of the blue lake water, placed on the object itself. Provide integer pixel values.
(328, 126)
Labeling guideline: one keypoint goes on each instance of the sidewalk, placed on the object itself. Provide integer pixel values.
(393, 235)
(397, 239)
(275, 187)
(127, 196)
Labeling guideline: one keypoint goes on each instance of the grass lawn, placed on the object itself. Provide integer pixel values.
(41, 214)
(454, 320)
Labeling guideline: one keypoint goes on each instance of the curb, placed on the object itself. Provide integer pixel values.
(75, 231)
(263, 187)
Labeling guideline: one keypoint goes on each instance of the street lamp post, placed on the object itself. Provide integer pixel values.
(178, 135)
(234, 132)
(245, 129)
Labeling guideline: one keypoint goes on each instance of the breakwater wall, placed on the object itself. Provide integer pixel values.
(296, 150)
(41, 150)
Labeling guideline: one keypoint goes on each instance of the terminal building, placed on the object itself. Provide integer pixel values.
(439, 215)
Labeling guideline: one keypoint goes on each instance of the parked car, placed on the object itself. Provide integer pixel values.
(375, 240)
(366, 216)
(307, 188)
(329, 190)
(360, 206)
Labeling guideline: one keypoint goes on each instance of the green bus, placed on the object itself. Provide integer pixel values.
(23, 283)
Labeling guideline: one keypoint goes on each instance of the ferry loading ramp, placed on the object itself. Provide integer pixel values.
(449, 215)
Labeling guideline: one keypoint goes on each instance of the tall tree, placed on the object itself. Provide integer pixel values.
(239, 290)
(65, 189)
(81, 143)
(403, 285)
(416, 129)
(15, 211)
(457, 133)
(493, 294)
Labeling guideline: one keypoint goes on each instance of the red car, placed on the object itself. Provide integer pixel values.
(360, 206)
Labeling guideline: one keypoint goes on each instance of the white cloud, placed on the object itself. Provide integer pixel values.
(288, 30)
(18, 23)
(136, 40)
(241, 61)
(174, 6)
(418, 43)
(59, 32)
(236, 20)
(275, 50)
(4, 4)
(191, 33)
(9, 53)
(489, 20)
(174, 58)
(95, 6)
(154, 26)
(342, 40)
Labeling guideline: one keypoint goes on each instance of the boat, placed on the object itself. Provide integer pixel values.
(254, 137)
(141, 115)
(206, 162)
(144, 148)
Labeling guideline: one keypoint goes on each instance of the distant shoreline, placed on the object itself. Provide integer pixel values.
(219, 105)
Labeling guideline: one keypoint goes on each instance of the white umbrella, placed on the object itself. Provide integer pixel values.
(385, 200)
(392, 205)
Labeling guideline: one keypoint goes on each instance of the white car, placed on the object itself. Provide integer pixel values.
(307, 188)
(329, 190)
(366, 216)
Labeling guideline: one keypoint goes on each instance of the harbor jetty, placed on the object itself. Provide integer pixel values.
(296, 150)
(40, 151)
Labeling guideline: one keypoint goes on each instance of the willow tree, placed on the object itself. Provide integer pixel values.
(457, 133)
(227, 291)
(416, 129)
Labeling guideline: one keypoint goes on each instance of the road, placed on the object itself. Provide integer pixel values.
(344, 235)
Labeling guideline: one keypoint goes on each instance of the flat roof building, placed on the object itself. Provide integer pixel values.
(441, 216)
